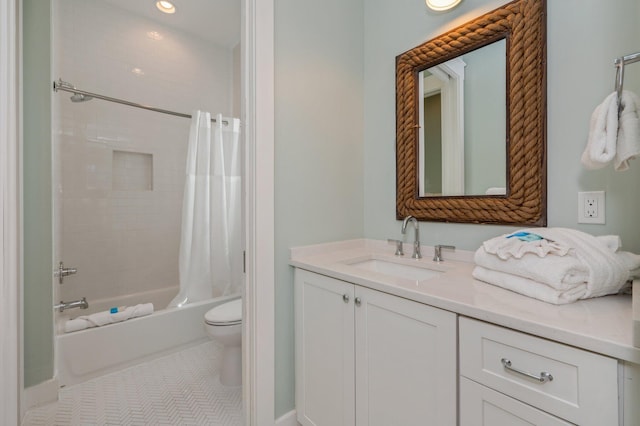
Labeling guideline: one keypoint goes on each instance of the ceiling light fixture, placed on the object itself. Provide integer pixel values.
(165, 6)
(441, 5)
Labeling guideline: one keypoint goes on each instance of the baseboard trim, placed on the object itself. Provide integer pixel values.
(288, 419)
(40, 394)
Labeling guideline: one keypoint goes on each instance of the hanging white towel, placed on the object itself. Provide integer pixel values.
(612, 136)
(628, 146)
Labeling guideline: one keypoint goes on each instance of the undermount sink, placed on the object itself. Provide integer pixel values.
(395, 269)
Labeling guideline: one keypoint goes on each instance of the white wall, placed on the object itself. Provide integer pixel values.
(318, 146)
(120, 170)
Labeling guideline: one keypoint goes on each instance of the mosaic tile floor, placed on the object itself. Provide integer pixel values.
(179, 389)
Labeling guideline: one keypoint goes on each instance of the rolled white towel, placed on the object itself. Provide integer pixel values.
(106, 317)
(496, 190)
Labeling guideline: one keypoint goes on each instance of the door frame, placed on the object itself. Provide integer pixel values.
(258, 86)
(10, 294)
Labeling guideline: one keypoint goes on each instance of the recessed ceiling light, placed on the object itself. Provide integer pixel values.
(137, 71)
(441, 5)
(165, 6)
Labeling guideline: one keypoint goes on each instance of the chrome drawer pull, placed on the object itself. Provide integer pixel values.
(542, 378)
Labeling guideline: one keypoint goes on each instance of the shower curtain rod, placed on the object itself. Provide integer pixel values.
(68, 87)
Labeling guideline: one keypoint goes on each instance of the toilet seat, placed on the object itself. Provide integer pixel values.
(228, 313)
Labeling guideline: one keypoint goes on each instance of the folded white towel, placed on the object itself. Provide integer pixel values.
(590, 262)
(613, 242)
(106, 317)
(529, 287)
(506, 246)
(612, 136)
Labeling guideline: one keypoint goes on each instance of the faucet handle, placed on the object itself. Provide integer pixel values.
(437, 251)
(398, 243)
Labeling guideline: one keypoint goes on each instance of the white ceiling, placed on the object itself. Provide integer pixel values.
(217, 21)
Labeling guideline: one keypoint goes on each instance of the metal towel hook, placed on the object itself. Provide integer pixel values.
(619, 64)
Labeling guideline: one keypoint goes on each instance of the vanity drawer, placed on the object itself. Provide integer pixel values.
(481, 406)
(583, 388)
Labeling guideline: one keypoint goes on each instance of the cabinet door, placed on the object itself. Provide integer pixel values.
(405, 362)
(324, 340)
(481, 406)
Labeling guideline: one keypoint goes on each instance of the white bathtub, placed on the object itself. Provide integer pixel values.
(89, 353)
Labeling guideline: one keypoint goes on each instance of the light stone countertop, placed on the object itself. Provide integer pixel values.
(603, 325)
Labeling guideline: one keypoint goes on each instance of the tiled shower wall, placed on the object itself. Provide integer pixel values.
(118, 170)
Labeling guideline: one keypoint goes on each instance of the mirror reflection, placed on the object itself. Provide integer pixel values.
(462, 124)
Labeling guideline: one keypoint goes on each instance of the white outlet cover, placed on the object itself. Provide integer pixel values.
(600, 207)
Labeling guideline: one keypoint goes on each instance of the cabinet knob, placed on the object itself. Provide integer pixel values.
(345, 298)
(357, 301)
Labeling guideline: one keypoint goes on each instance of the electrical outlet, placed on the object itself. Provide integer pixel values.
(591, 207)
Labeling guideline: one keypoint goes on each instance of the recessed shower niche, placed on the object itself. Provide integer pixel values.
(132, 171)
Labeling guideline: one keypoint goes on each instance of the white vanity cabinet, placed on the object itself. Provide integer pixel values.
(365, 357)
(547, 383)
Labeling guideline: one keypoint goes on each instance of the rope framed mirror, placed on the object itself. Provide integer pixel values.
(522, 24)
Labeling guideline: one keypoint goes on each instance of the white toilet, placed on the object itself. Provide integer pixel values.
(224, 324)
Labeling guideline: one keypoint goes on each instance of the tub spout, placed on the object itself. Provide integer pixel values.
(62, 306)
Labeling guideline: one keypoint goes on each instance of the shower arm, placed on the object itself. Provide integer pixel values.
(68, 87)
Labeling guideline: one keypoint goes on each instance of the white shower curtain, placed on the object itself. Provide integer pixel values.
(210, 259)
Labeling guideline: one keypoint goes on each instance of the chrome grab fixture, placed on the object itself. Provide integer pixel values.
(64, 272)
(543, 377)
(619, 64)
(345, 298)
(416, 243)
(63, 306)
(398, 243)
(437, 252)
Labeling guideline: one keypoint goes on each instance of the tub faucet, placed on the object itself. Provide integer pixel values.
(416, 243)
(62, 306)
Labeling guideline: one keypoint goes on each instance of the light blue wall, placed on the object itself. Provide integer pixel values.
(583, 38)
(335, 126)
(485, 118)
(318, 146)
(37, 250)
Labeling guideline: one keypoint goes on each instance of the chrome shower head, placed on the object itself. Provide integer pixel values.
(79, 97)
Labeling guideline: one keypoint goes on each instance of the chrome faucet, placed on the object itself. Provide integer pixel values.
(416, 243)
(398, 244)
(437, 252)
(62, 306)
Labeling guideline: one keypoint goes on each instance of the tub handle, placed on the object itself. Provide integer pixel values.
(64, 272)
